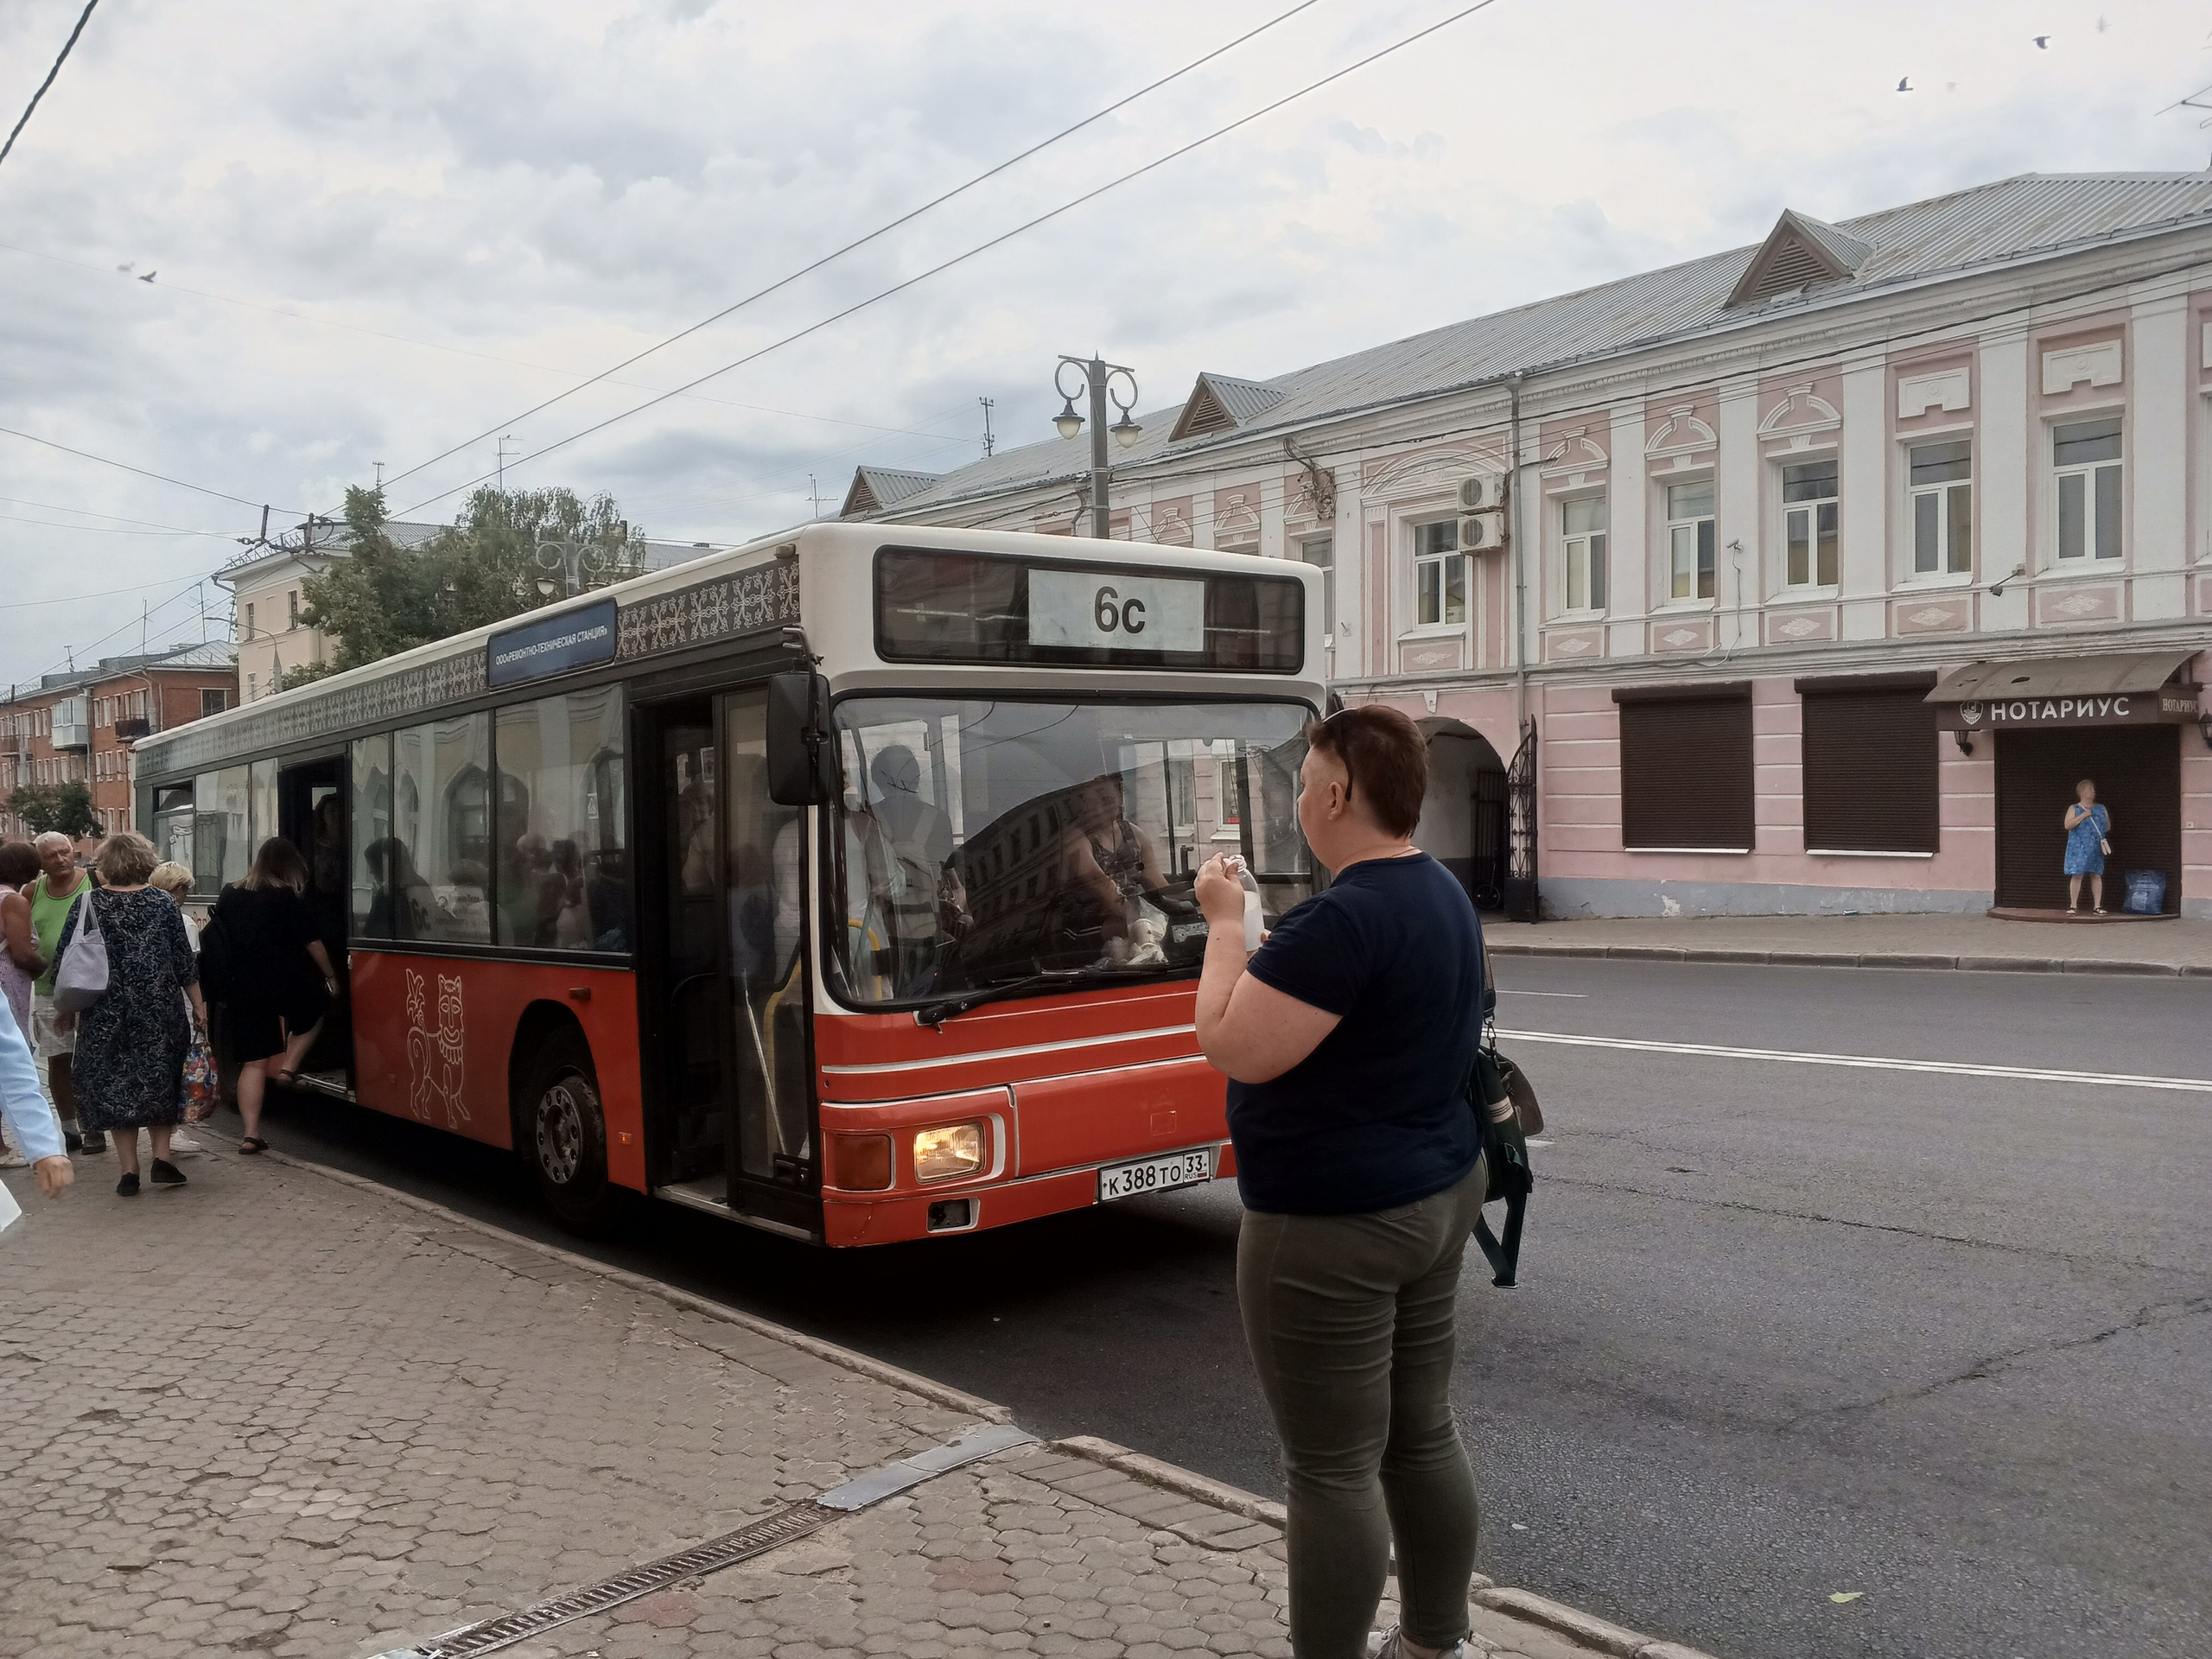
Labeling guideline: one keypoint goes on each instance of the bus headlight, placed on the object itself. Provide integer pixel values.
(946, 1153)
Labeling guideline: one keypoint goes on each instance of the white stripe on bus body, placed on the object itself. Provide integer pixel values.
(1869, 1062)
(882, 1067)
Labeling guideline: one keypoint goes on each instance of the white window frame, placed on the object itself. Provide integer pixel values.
(1949, 567)
(1442, 561)
(2092, 556)
(1585, 552)
(1327, 564)
(1676, 530)
(1809, 511)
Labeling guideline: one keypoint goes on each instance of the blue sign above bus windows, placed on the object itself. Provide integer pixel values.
(552, 644)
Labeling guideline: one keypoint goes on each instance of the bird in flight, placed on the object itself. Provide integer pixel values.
(2043, 42)
(150, 276)
(1905, 85)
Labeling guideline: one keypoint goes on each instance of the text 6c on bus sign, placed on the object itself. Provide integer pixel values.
(1101, 610)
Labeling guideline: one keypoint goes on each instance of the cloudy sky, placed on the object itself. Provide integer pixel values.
(381, 232)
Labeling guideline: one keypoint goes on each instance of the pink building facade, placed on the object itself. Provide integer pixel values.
(1822, 568)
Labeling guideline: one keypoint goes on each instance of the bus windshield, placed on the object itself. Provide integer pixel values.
(983, 840)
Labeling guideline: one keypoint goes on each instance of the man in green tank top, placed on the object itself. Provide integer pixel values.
(53, 896)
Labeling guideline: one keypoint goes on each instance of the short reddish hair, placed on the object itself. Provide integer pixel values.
(1385, 761)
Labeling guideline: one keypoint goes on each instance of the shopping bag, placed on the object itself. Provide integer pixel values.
(82, 979)
(201, 1093)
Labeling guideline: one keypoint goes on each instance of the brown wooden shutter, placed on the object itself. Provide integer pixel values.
(1870, 770)
(1685, 769)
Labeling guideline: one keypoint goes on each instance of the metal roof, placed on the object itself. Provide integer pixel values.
(2035, 215)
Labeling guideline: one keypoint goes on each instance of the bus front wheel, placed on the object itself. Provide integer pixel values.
(563, 1136)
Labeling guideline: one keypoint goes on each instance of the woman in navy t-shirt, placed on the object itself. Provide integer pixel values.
(1347, 1040)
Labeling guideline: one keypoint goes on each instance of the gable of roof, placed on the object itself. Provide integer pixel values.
(1220, 403)
(1799, 253)
(876, 489)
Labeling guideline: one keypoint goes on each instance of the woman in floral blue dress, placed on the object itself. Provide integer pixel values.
(2087, 826)
(130, 1044)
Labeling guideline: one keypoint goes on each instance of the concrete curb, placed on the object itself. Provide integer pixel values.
(1577, 1626)
(936, 1392)
(1892, 959)
(1187, 1482)
(1175, 1478)
(1524, 1605)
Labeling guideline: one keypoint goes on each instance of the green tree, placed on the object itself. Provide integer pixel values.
(385, 599)
(65, 807)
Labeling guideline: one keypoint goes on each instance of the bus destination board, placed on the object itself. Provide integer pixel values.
(539, 649)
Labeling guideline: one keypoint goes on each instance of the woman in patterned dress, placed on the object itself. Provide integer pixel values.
(130, 1044)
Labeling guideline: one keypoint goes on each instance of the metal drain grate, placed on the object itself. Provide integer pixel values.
(971, 1445)
(712, 1556)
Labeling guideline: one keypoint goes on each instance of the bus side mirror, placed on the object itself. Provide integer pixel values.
(802, 753)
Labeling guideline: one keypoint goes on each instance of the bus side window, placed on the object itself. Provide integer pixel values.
(563, 870)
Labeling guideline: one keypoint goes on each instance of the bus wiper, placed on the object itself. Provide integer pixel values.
(936, 1014)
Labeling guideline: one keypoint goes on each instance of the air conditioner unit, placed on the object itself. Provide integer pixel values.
(1484, 493)
(1482, 533)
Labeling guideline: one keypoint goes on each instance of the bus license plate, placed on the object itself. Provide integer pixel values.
(1192, 1168)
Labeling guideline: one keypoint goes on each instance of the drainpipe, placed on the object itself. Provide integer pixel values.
(1514, 519)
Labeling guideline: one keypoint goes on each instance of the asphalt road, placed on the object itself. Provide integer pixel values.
(1785, 1330)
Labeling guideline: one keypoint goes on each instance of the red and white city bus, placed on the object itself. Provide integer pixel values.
(839, 885)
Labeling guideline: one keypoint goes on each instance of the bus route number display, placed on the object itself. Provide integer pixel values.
(1099, 610)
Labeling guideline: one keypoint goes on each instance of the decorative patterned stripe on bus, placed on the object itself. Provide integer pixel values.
(765, 595)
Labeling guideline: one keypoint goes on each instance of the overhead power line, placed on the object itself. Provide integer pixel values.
(876, 234)
(980, 248)
(83, 18)
(169, 287)
(113, 518)
(160, 478)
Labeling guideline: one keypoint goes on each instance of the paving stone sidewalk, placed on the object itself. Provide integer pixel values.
(282, 1411)
(1975, 943)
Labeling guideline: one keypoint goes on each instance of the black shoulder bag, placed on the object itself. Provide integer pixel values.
(1506, 1115)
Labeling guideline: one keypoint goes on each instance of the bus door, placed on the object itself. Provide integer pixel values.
(311, 814)
(724, 998)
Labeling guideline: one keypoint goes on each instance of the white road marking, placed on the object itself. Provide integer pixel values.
(1577, 996)
(1870, 1062)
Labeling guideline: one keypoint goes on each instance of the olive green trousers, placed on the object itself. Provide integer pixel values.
(1351, 1320)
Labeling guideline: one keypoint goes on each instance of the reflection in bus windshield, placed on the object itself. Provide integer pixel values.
(983, 840)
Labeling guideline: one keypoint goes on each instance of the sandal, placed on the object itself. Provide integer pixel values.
(252, 1144)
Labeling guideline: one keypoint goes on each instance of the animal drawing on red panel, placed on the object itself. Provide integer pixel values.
(434, 1054)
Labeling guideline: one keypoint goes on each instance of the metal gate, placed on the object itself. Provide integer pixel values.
(1487, 841)
(1520, 884)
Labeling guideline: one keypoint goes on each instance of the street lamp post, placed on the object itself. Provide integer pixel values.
(581, 564)
(1100, 385)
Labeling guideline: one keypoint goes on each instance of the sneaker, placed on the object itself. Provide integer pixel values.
(180, 1141)
(128, 1187)
(167, 1174)
(10, 1159)
(95, 1142)
(1393, 1646)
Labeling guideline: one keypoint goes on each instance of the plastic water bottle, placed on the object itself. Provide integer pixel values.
(1252, 917)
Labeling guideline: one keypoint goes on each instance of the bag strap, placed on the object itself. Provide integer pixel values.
(1503, 1254)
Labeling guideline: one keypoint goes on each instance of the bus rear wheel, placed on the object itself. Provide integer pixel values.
(563, 1135)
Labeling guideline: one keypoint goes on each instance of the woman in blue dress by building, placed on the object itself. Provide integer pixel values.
(2087, 826)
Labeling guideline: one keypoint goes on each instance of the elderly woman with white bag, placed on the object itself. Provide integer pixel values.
(133, 1027)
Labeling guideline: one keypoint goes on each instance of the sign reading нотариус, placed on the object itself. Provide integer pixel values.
(2168, 704)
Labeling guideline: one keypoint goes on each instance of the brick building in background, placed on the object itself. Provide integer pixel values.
(80, 727)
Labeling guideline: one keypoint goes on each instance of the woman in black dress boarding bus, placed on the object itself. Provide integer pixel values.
(280, 978)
